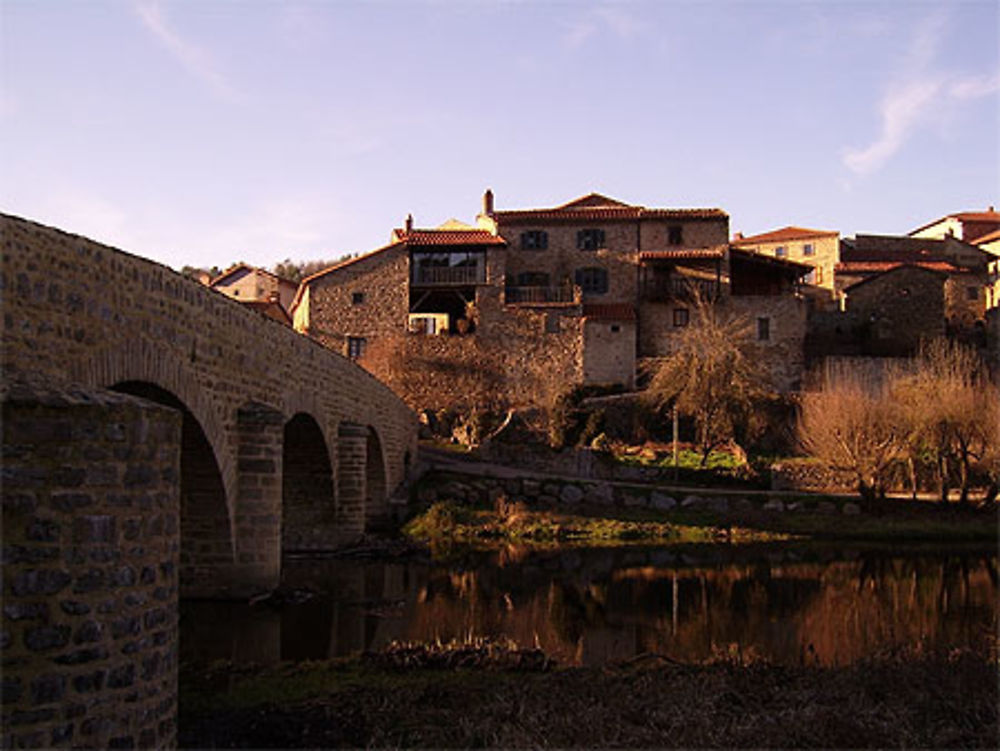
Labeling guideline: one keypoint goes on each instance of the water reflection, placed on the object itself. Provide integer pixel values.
(590, 607)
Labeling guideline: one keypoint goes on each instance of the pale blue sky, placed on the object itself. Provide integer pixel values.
(208, 132)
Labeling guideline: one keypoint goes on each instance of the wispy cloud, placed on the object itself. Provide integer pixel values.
(602, 18)
(197, 62)
(917, 97)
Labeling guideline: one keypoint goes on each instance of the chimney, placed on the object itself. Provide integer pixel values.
(738, 236)
(488, 202)
(409, 223)
(992, 209)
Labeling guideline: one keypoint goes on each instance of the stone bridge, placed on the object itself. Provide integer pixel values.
(160, 439)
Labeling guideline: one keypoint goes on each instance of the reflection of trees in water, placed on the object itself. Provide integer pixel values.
(829, 613)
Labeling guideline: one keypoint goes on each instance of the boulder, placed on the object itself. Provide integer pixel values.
(661, 501)
(571, 494)
(532, 488)
(601, 495)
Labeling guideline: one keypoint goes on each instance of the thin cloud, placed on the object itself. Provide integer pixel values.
(595, 20)
(194, 59)
(918, 97)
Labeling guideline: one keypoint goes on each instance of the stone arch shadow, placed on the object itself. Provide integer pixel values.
(376, 481)
(308, 488)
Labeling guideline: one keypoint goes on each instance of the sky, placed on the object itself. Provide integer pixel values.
(205, 132)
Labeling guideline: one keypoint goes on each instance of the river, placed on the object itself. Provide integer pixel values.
(789, 604)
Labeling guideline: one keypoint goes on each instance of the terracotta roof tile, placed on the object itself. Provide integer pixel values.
(595, 206)
(447, 237)
(987, 238)
(867, 267)
(963, 216)
(681, 255)
(785, 234)
(609, 311)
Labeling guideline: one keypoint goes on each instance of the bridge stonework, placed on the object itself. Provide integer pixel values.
(270, 443)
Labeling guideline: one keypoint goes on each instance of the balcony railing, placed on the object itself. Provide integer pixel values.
(449, 275)
(537, 295)
(678, 288)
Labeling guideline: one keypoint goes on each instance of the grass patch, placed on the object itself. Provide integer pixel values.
(446, 521)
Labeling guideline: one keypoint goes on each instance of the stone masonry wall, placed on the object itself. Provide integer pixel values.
(782, 353)
(81, 312)
(90, 568)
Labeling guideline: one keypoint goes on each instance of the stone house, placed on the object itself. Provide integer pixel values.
(966, 269)
(529, 303)
(817, 248)
(250, 284)
(968, 226)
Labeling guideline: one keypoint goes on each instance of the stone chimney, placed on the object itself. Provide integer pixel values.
(409, 223)
(737, 235)
(488, 202)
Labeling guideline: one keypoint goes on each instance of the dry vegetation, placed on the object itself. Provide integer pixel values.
(938, 412)
(914, 701)
(711, 379)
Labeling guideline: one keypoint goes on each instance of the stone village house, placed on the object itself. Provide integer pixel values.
(258, 289)
(529, 303)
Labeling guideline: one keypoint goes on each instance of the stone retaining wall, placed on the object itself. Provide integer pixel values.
(541, 491)
(90, 559)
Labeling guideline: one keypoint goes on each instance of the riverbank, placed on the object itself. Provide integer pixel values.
(481, 510)
(946, 700)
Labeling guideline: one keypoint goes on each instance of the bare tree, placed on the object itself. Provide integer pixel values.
(948, 409)
(851, 425)
(710, 377)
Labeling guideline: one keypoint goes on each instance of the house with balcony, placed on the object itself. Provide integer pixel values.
(530, 302)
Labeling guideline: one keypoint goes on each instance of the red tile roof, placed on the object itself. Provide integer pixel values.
(681, 255)
(882, 273)
(987, 238)
(447, 237)
(609, 311)
(595, 206)
(964, 216)
(785, 234)
(868, 267)
(743, 254)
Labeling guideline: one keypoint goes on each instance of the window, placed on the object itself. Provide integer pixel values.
(675, 234)
(781, 251)
(592, 280)
(534, 239)
(357, 298)
(972, 293)
(808, 249)
(590, 239)
(763, 329)
(681, 317)
(819, 275)
(615, 328)
(811, 277)
(355, 347)
(532, 279)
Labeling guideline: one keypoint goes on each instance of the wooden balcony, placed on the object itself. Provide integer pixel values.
(449, 276)
(680, 289)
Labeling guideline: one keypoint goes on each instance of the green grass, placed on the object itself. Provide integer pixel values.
(686, 459)
(445, 521)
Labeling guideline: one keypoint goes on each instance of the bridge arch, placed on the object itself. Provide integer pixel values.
(308, 498)
(206, 540)
(140, 360)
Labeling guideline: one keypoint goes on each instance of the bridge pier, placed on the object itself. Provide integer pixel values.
(257, 506)
(352, 462)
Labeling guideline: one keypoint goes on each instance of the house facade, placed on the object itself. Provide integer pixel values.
(528, 303)
(968, 226)
(249, 284)
(817, 248)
